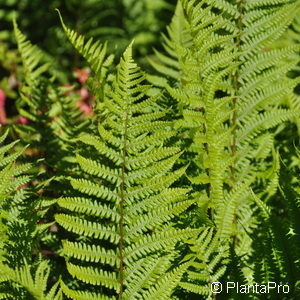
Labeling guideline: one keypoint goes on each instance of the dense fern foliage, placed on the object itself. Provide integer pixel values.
(176, 182)
(230, 89)
(21, 211)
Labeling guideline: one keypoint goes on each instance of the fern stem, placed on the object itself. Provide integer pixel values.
(121, 209)
(236, 86)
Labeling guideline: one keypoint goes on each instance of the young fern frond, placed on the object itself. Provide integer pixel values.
(126, 200)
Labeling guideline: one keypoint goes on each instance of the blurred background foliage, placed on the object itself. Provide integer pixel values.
(114, 21)
(117, 21)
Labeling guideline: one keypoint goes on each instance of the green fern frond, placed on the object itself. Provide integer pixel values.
(178, 37)
(164, 288)
(37, 285)
(31, 57)
(53, 117)
(94, 53)
(12, 178)
(208, 261)
(229, 93)
(130, 205)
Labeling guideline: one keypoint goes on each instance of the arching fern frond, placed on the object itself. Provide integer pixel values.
(94, 52)
(31, 56)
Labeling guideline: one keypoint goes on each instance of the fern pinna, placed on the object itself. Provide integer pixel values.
(125, 202)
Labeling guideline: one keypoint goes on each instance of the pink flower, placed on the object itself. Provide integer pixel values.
(84, 94)
(81, 74)
(84, 107)
(2, 107)
(23, 120)
(2, 98)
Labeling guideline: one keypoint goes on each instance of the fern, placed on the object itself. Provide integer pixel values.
(13, 201)
(53, 117)
(277, 244)
(20, 212)
(177, 180)
(174, 45)
(131, 203)
(37, 285)
(95, 55)
(229, 90)
(209, 259)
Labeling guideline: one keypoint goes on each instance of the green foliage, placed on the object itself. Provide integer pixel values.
(53, 117)
(13, 205)
(118, 21)
(132, 208)
(177, 179)
(230, 89)
(277, 241)
(21, 209)
(35, 286)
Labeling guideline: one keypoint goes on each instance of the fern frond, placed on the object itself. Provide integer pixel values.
(178, 37)
(164, 288)
(208, 262)
(53, 115)
(37, 285)
(126, 200)
(93, 52)
(31, 56)
(230, 91)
